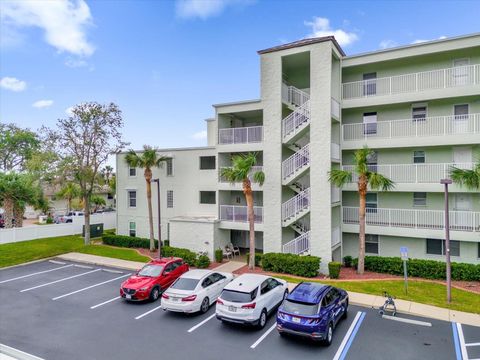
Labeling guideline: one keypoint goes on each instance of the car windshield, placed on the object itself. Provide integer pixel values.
(151, 270)
(300, 308)
(238, 296)
(185, 284)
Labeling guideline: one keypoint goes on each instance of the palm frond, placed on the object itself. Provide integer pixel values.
(361, 159)
(259, 177)
(339, 177)
(379, 182)
(133, 159)
(465, 177)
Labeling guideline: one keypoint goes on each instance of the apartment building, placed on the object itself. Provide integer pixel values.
(416, 106)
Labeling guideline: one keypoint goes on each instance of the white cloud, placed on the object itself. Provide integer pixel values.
(64, 22)
(385, 44)
(204, 9)
(69, 111)
(13, 84)
(200, 135)
(321, 27)
(419, 41)
(42, 104)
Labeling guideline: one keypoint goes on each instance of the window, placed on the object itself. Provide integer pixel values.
(169, 198)
(371, 244)
(132, 198)
(372, 160)
(419, 157)
(238, 200)
(370, 123)
(132, 229)
(132, 171)
(419, 199)
(371, 203)
(461, 112)
(437, 247)
(419, 112)
(207, 162)
(370, 84)
(264, 288)
(169, 167)
(207, 197)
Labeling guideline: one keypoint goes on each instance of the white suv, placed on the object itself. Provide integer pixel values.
(250, 298)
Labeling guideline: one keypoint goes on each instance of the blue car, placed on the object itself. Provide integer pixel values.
(312, 310)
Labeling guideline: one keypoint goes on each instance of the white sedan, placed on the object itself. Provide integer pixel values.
(195, 291)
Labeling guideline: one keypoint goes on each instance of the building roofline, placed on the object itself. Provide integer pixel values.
(175, 149)
(237, 103)
(303, 42)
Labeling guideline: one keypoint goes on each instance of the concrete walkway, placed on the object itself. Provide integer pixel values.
(372, 301)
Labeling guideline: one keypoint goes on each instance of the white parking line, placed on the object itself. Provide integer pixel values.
(89, 287)
(201, 323)
(18, 354)
(463, 348)
(105, 302)
(473, 344)
(113, 271)
(148, 312)
(265, 334)
(83, 266)
(36, 273)
(409, 321)
(60, 280)
(348, 338)
(57, 262)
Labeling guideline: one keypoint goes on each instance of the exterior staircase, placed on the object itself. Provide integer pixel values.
(296, 165)
(296, 207)
(299, 246)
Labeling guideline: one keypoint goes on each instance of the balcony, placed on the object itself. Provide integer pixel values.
(335, 109)
(335, 152)
(234, 213)
(335, 194)
(241, 135)
(454, 77)
(336, 237)
(435, 130)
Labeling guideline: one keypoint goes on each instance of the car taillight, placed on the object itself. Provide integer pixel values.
(165, 296)
(189, 298)
(313, 321)
(281, 315)
(249, 306)
(219, 301)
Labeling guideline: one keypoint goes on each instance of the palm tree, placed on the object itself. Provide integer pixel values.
(16, 191)
(96, 201)
(241, 171)
(147, 160)
(366, 178)
(69, 192)
(468, 178)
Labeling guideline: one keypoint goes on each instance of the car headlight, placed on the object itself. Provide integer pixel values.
(143, 289)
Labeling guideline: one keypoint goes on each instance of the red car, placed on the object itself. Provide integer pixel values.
(150, 281)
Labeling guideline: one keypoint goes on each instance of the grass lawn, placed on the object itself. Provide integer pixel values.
(25, 251)
(418, 291)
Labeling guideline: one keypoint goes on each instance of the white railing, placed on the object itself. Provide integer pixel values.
(413, 173)
(429, 126)
(292, 95)
(253, 170)
(296, 120)
(335, 194)
(415, 219)
(241, 135)
(335, 236)
(292, 207)
(335, 108)
(414, 82)
(296, 162)
(239, 213)
(298, 245)
(335, 151)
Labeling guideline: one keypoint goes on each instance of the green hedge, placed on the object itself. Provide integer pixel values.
(428, 269)
(258, 258)
(291, 264)
(334, 269)
(188, 256)
(219, 255)
(127, 241)
(347, 261)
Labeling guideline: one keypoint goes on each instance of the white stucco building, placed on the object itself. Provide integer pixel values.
(417, 106)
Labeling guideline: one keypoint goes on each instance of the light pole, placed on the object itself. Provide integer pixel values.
(159, 219)
(446, 182)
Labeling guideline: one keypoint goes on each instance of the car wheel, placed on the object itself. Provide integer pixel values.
(345, 310)
(262, 321)
(329, 335)
(155, 294)
(205, 305)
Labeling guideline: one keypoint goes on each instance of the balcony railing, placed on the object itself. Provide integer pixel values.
(415, 219)
(335, 151)
(335, 236)
(414, 82)
(297, 204)
(239, 213)
(296, 162)
(294, 96)
(413, 173)
(298, 245)
(335, 194)
(420, 127)
(242, 135)
(335, 108)
(250, 175)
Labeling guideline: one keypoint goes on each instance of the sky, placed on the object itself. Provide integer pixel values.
(166, 62)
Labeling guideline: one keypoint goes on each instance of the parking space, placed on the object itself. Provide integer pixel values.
(60, 310)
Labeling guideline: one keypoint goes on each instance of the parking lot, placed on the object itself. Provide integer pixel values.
(60, 310)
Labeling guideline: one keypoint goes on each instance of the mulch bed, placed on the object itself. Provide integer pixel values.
(154, 255)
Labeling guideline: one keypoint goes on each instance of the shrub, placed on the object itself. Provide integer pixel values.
(219, 255)
(347, 261)
(291, 264)
(258, 258)
(127, 241)
(166, 242)
(49, 220)
(188, 256)
(334, 269)
(202, 262)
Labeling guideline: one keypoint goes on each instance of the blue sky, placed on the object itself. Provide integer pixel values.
(165, 62)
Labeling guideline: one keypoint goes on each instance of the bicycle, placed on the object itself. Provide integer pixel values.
(389, 305)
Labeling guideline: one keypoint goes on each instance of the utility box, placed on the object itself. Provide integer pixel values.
(96, 230)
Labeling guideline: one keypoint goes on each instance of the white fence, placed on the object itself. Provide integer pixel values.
(34, 232)
(237, 213)
(241, 135)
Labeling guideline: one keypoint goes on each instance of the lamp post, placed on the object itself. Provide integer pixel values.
(446, 182)
(159, 219)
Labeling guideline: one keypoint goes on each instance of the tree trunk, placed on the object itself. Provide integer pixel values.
(18, 212)
(247, 190)
(362, 192)
(148, 179)
(86, 210)
(69, 204)
(8, 214)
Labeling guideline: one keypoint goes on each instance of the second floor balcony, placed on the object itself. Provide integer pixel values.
(240, 135)
(239, 213)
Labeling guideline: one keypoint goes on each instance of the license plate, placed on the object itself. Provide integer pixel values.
(295, 319)
(128, 296)
(174, 299)
(232, 309)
